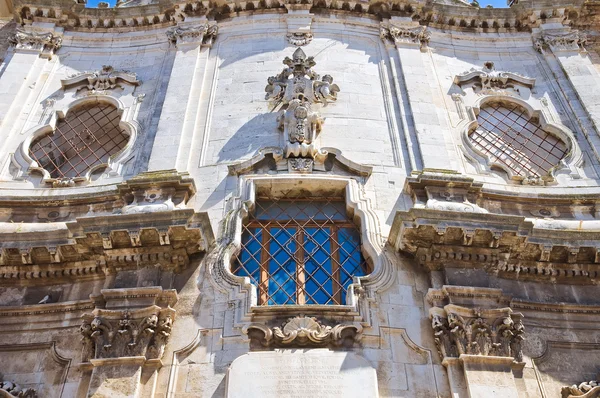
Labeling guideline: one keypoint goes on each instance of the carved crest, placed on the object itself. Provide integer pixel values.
(105, 79)
(303, 331)
(299, 89)
(488, 80)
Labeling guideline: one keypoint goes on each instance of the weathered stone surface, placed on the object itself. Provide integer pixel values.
(301, 373)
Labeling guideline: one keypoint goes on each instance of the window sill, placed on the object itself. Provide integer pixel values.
(345, 313)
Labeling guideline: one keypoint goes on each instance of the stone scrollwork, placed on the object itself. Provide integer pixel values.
(488, 80)
(205, 33)
(300, 90)
(459, 330)
(303, 331)
(15, 390)
(587, 389)
(45, 43)
(407, 35)
(105, 79)
(299, 38)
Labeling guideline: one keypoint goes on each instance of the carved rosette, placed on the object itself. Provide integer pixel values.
(587, 389)
(303, 331)
(405, 35)
(15, 390)
(206, 33)
(459, 330)
(105, 79)
(44, 43)
(300, 91)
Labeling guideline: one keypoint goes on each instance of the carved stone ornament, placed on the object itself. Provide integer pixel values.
(108, 333)
(417, 35)
(571, 41)
(45, 43)
(299, 38)
(299, 89)
(105, 79)
(587, 389)
(303, 331)
(15, 390)
(488, 80)
(207, 33)
(459, 330)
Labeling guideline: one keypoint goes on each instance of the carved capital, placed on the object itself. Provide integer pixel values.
(134, 331)
(44, 43)
(570, 41)
(105, 79)
(405, 35)
(15, 390)
(488, 80)
(303, 331)
(206, 34)
(489, 332)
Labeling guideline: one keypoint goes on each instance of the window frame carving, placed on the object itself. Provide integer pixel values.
(243, 294)
(25, 165)
(484, 164)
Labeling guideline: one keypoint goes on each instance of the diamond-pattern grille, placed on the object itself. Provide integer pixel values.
(507, 135)
(300, 251)
(86, 138)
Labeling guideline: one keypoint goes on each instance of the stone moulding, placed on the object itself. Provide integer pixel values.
(303, 331)
(105, 79)
(132, 322)
(109, 237)
(449, 228)
(239, 289)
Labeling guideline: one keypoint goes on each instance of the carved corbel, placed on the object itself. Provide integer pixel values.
(561, 41)
(45, 44)
(303, 331)
(419, 35)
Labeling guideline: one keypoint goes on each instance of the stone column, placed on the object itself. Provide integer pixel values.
(428, 123)
(124, 336)
(175, 129)
(480, 347)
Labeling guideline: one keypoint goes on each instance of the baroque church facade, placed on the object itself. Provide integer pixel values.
(299, 198)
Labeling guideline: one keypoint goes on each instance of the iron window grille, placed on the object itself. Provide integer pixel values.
(300, 251)
(87, 137)
(508, 136)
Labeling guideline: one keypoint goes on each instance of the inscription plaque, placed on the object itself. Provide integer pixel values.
(295, 373)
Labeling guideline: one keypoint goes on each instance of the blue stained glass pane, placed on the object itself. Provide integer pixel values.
(282, 266)
(317, 266)
(300, 210)
(249, 257)
(351, 259)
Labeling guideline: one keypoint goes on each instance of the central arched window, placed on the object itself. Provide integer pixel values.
(516, 142)
(300, 251)
(86, 138)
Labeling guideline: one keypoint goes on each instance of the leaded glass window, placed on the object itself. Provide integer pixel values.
(300, 251)
(87, 137)
(511, 138)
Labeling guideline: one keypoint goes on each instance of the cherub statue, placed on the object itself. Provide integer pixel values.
(326, 90)
(275, 89)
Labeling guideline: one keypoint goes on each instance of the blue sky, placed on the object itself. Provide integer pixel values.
(495, 3)
(482, 3)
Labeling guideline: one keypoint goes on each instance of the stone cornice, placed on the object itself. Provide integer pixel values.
(46, 309)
